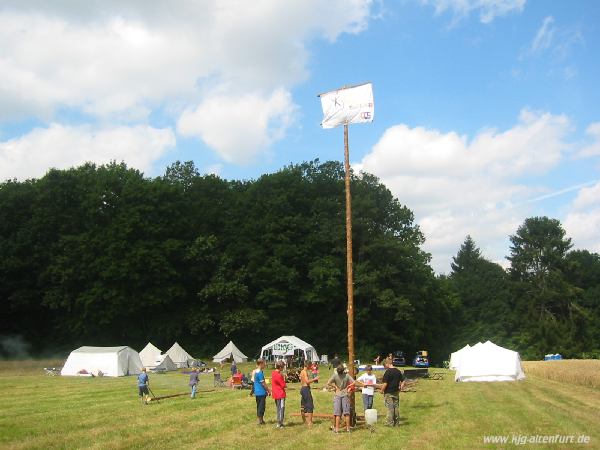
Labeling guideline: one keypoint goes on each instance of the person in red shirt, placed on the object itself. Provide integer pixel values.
(278, 392)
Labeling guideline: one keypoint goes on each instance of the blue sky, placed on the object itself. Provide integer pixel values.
(486, 111)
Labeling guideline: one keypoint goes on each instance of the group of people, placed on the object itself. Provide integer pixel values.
(278, 392)
(341, 382)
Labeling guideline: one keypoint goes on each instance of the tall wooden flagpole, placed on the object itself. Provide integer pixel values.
(356, 107)
(349, 271)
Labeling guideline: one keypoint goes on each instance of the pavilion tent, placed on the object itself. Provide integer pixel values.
(489, 362)
(150, 354)
(289, 346)
(230, 351)
(455, 357)
(110, 361)
(178, 355)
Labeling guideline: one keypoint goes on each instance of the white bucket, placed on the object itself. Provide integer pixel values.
(371, 416)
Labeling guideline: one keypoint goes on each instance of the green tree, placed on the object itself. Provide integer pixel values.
(483, 289)
(547, 304)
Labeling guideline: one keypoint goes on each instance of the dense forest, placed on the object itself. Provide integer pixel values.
(102, 255)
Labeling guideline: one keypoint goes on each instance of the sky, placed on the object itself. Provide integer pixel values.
(486, 111)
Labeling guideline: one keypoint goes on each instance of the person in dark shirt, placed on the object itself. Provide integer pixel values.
(194, 382)
(392, 383)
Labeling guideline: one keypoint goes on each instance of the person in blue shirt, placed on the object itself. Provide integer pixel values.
(143, 383)
(260, 391)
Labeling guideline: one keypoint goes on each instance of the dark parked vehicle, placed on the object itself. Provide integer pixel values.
(398, 359)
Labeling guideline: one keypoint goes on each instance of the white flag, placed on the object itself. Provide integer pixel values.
(348, 105)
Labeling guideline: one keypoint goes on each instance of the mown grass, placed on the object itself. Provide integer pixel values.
(584, 372)
(68, 412)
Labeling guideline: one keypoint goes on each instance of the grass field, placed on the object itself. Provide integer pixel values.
(45, 412)
(585, 372)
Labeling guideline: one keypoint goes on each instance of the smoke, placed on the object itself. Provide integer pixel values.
(14, 347)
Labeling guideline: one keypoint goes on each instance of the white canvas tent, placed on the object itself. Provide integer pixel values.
(289, 346)
(455, 357)
(489, 362)
(150, 354)
(164, 362)
(178, 355)
(230, 351)
(111, 361)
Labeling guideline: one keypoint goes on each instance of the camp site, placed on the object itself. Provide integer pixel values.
(299, 224)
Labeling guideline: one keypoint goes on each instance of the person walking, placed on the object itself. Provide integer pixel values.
(341, 403)
(260, 391)
(143, 381)
(278, 392)
(194, 382)
(307, 405)
(392, 383)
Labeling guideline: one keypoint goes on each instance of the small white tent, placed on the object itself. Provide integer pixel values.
(149, 355)
(489, 362)
(164, 362)
(230, 351)
(455, 357)
(289, 346)
(179, 355)
(111, 361)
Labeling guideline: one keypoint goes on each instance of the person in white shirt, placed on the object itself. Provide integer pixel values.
(368, 381)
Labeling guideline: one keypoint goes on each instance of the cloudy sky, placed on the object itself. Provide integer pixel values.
(486, 111)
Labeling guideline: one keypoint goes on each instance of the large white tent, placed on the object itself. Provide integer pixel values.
(489, 362)
(455, 357)
(150, 354)
(178, 355)
(111, 361)
(289, 346)
(230, 351)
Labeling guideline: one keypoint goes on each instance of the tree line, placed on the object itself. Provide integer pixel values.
(102, 255)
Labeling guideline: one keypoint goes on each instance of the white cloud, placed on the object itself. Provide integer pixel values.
(459, 186)
(582, 223)
(584, 229)
(239, 127)
(62, 147)
(544, 36)
(488, 9)
(557, 41)
(587, 196)
(593, 148)
(111, 57)
(224, 70)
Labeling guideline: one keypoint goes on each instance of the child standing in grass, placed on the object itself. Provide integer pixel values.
(194, 382)
(278, 388)
(260, 391)
(143, 383)
(307, 406)
(368, 381)
(341, 381)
